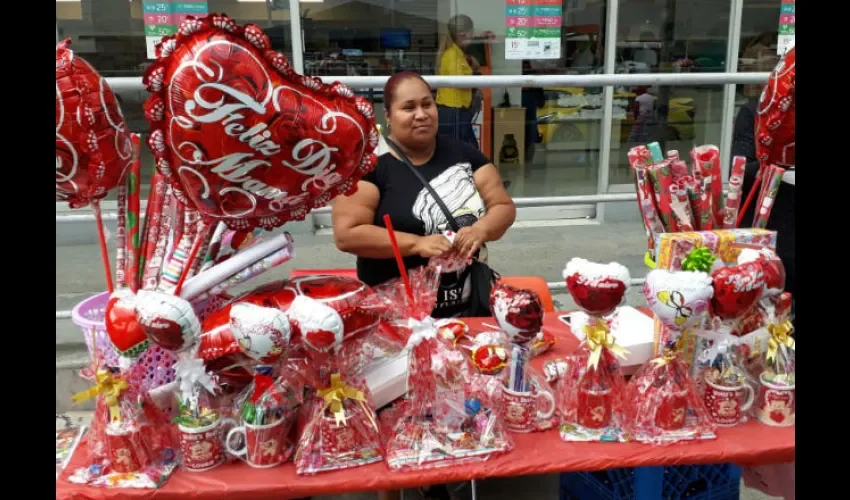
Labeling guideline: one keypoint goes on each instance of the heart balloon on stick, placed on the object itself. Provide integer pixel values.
(737, 289)
(679, 299)
(94, 149)
(244, 139)
(776, 119)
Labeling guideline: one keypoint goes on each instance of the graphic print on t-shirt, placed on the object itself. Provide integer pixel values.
(456, 187)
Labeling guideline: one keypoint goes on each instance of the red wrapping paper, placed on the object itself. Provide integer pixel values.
(662, 180)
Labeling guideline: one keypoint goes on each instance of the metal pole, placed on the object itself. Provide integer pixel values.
(129, 84)
(297, 37)
(610, 66)
(727, 119)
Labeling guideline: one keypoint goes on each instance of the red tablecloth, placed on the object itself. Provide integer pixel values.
(539, 453)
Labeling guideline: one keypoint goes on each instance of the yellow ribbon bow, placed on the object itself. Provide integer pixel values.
(779, 336)
(598, 337)
(107, 386)
(336, 394)
(668, 354)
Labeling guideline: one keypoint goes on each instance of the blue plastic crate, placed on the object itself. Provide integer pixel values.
(692, 482)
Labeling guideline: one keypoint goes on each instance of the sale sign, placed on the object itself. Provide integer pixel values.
(533, 29)
(163, 17)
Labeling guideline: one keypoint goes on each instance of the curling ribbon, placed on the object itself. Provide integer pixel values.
(107, 386)
(598, 337)
(670, 352)
(779, 336)
(699, 259)
(336, 394)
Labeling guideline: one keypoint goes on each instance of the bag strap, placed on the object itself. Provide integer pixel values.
(404, 159)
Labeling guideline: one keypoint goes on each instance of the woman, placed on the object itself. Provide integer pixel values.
(468, 183)
(455, 104)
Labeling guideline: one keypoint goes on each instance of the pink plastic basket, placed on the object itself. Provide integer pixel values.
(153, 368)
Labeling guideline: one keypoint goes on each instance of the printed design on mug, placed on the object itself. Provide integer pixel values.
(777, 406)
(201, 451)
(123, 457)
(344, 439)
(516, 413)
(269, 448)
(597, 414)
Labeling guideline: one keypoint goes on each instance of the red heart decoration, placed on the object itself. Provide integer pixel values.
(736, 289)
(244, 139)
(775, 127)
(127, 336)
(93, 145)
(518, 312)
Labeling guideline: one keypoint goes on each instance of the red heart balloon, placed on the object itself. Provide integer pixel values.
(93, 145)
(518, 312)
(244, 139)
(596, 288)
(776, 121)
(127, 336)
(736, 289)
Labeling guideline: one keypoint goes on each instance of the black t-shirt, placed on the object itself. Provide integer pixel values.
(413, 210)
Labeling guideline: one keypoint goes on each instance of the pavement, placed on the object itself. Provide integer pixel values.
(542, 250)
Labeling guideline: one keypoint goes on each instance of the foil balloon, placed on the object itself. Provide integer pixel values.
(127, 336)
(321, 327)
(775, 127)
(93, 145)
(340, 293)
(244, 139)
(261, 332)
(679, 299)
(771, 264)
(518, 312)
(168, 320)
(596, 288)
(737, 289)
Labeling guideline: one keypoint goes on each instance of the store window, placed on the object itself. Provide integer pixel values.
(668, 36)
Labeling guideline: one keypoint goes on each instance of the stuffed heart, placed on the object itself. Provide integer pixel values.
(321, 327)
(596, 288)
(244, 139)
(519, 313)
(127, 336)
(679, 299)
(775, 127)
(93, 145)
(168, 320)
(736, 290)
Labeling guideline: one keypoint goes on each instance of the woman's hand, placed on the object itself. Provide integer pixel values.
(431, 246)
(469, 240)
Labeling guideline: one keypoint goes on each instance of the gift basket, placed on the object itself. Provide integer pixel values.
(663, 404)
(590, 395)
(448, 416)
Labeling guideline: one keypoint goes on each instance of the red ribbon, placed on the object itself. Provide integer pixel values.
(261, 384)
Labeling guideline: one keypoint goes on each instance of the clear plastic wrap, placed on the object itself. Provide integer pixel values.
(663, 404)
(268, 409)
(448, 416)
(777, 401)
(130, 443)
(591, 392)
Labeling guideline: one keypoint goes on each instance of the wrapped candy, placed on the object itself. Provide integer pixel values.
(590, 396)
(663, 404)
(444, 420)
(777, 401)
(268, 409)
(130, 443)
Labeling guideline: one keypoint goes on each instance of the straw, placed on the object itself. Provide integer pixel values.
(133, 217)
(398, 258)
(120, 237)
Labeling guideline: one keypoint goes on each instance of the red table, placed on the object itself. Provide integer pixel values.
(540, 453)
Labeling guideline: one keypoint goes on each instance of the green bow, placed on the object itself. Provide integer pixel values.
(700, 259)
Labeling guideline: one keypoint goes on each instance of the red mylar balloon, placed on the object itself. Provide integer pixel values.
(339, 293)
(518, 312)
(736, 289)
(93, 145)
(776, 121)
(244, 139)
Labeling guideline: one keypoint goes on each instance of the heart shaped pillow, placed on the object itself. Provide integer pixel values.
(93, 145)
(244, 139)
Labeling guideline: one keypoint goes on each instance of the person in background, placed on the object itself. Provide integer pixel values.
(781, 217)
(468, 183)
(455, 105)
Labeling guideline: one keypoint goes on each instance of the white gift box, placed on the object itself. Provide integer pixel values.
(387, 378)
(632, 329)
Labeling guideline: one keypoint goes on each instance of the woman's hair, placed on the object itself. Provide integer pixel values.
(392, 84)
(457, 24)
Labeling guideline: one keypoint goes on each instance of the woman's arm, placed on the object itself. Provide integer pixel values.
(354, 232)
(500, 215)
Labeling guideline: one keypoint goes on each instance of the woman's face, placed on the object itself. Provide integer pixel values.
(412, 117)
(463, 38)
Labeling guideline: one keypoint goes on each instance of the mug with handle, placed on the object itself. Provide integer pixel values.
(263, 446)
(522, 410)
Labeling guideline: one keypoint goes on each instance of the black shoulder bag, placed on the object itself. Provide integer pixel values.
(482, 278)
